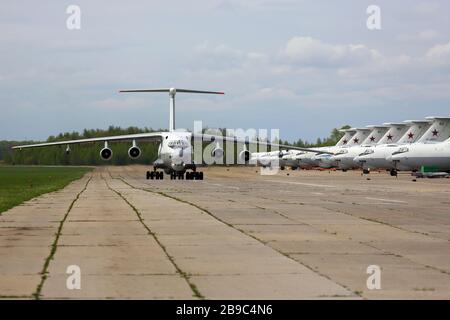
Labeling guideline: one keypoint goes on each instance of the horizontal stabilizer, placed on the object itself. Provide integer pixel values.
(172, 91)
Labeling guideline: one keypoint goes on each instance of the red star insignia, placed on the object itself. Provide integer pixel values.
(435, 133)
(389, 137)
(410, 135)
(372, 138)
(345, 141)
(356, 140)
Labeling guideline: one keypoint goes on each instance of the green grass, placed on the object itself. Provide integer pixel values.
(19, 184)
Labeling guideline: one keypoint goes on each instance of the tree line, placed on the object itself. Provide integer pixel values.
(88, 154)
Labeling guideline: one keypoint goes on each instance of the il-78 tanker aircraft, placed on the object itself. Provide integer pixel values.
(431, 150)
(175, 148)
(423, 136)
(400, 134)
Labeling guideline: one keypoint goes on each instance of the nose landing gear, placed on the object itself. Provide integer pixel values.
(394, 170)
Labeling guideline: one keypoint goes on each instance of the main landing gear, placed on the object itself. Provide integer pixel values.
(194, 175)
(155, 175)
(393, 172)
(159, 175)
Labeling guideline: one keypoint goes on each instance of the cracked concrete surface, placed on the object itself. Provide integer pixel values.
(235, 235)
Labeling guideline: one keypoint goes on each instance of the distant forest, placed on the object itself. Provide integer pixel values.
(88, 154)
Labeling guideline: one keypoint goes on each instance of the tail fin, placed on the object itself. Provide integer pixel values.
(376, 133)
(360, 135)
(394, 133)
(172, 92)
(438, 131)
(416, 129)
(348, 134)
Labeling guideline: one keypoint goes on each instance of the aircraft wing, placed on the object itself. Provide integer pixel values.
(151, 136)
(208, 137)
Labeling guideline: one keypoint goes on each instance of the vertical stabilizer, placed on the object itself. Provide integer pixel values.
(394, 133)
(416, 129)
(376, 133)
(360, 135)
(348, 134)
(438, 131)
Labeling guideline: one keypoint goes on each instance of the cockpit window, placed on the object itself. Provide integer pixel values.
(178, 144)
(366, 152)
(342, 151)
(401, 150)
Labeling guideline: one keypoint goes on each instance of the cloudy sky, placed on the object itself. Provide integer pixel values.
(301, 66)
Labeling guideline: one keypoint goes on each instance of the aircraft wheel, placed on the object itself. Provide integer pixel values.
(148, 175)
(393, 173)
(200, 176)
(366, 171)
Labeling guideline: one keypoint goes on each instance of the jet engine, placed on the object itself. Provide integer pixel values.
(106, 153)
(134, 152)
(244, 156)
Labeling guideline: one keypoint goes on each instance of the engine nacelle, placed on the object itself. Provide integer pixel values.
(244, 156)
(217, 152)
(106, 154)
(134, 152)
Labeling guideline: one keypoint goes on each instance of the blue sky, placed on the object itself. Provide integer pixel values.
(301, 66)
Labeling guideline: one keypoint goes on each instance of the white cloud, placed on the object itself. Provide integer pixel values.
(224, 56)
(424, 35)
(311, 52)
(439, 55)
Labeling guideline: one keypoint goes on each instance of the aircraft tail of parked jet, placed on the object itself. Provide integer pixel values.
(348, 134)
(438, 131)
(360, 135)
(376, 133)
(394, 133)
(416, 129)
(172, 92)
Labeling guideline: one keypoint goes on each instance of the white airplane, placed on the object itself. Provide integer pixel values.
(308, 159)
(399, 134)
(175, 148)
(281, 159)
(364, 138)
(431, 150)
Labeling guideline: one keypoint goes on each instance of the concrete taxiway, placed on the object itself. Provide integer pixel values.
(235, 235)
